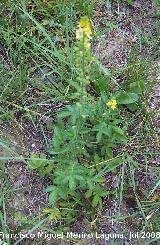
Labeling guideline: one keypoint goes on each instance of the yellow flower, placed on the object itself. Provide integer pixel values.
(112, 104)
(85, 24)
(84, 29)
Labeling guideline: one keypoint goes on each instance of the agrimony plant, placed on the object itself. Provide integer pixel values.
(84, 136)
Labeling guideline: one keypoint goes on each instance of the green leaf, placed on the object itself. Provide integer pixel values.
(117, 130)
(100, 81)
(133, 107)
(53, 197)
(55, 214)
(50, 188)
(130, 2)
(124, 98)
(99, 135)
(109, 152)
(1, 217)
(63, 192)
(64, 114)
(104, 193)
(102, 129)
(96, 200)
(88, 193)
(58, 137)
(137, 87)
(114, 163)
(72, 183)
(37, 161)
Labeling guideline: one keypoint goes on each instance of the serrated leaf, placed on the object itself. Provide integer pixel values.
(53, 196)
(96, 200)
(104, 193)
(37, 161)
(88, 193)
(117, 130)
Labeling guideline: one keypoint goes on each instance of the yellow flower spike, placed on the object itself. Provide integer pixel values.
(84, 29)
(112, 104)
(85, 24)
